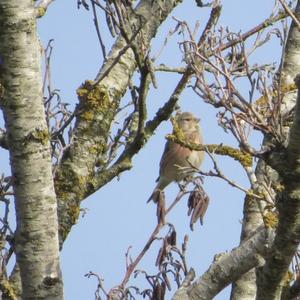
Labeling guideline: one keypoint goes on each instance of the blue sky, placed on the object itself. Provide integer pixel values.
(117, 216)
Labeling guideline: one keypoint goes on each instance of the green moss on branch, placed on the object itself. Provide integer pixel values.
(245, 159)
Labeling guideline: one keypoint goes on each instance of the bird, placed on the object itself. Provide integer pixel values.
(175, 157)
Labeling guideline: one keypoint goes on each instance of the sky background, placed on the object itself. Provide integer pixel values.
(117, 216)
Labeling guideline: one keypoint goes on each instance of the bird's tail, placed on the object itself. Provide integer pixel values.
(154, 196)
(158, 190)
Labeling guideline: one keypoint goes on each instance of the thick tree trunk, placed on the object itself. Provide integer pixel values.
(36, 240)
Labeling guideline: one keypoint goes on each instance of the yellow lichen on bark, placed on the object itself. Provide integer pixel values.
(94, 97)
(271, 219)
(244, 158)
(40, 135)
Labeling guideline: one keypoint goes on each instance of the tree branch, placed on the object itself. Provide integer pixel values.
(228, 267)
(244, 158)
(290, 13)
(246, 287)
(124, 161)
(288, 232)
(76, 176)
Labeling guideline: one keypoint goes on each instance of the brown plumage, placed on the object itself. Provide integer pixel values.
(176, 157)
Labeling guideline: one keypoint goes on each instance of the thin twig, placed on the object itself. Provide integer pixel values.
(153, 237)
(256, 29)
(116, 60)
(290, 13)
(229, 181)
(98, 31)
(47, 75)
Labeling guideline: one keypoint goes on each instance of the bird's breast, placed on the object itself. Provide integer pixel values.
(195, 158)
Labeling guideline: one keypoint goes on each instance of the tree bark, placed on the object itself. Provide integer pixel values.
(245, 288)
(227, 267)
(36, 238)
(273, 275)
(77, 176)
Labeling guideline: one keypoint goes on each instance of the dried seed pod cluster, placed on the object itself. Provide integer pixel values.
(197, 205)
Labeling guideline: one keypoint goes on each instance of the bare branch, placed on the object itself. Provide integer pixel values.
(165, 68)
(227, 267)
(244, 158)
(268, 22)
(99, 104)
(98, 31)
(124, 161)
(288, 232)
(290, 13)
(219, 173)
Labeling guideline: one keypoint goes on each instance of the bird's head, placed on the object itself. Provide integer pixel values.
(187, 121)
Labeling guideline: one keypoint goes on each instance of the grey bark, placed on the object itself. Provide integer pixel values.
(76, 176)
(277, 261)
(36, 239)
(246, 287)
(271, 279)
(228, 267)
